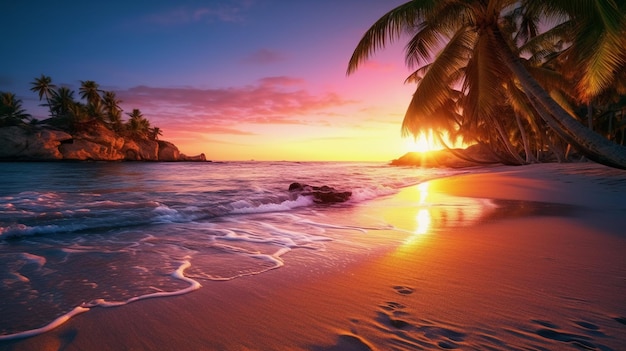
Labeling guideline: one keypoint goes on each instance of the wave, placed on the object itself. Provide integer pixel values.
(36, 214)
(247, 206)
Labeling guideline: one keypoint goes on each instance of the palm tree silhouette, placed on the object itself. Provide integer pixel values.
(89, 91)
(112, 109)
(11, 111)
(44, 87)
(464, 44)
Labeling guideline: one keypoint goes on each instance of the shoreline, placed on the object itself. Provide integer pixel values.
(510, 258)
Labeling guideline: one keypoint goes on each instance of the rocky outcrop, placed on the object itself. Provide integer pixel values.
(98, 144)
(320, 194)
(18, 143)
(141, 150)
(95, 143)
(169, 152)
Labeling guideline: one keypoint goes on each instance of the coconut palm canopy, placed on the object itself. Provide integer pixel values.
(68, 114)
(519, 76)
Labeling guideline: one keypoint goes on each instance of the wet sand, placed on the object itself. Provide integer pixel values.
(516, 258)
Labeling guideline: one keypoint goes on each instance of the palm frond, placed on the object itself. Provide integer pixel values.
(434, 88)
(389, 28)
(482, 83)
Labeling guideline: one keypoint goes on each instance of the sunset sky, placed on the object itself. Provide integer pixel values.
(234, 79)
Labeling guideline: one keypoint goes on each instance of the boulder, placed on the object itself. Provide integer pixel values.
(321, 194)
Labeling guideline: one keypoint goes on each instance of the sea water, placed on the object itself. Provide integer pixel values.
(74, 236)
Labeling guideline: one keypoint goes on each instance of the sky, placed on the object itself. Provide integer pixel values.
(233, 79)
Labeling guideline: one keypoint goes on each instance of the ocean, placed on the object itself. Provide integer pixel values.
(75, 236)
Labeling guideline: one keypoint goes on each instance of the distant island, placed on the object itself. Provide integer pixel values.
(87, 130)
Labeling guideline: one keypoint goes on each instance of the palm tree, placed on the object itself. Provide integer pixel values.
(155, 132)
(63, 109)
(137, 125)
(113, 110)
(89, 91)
(44, 87)
(11, 111)
(463, 43)
(62, 101)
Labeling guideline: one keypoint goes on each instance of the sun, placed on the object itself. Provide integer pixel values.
(422, 143)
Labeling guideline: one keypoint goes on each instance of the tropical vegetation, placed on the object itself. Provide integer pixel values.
(530, 79)
(66, 113)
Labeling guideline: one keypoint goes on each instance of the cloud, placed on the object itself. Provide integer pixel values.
(264, 57)
(269, 101)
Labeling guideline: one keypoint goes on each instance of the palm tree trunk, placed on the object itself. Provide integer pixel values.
(507, 143)
(524, 138)
(591, 144)
(589, 116)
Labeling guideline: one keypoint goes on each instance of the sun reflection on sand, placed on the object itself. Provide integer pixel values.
(435, 210)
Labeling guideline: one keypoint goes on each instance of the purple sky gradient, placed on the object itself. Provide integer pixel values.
(235, 79)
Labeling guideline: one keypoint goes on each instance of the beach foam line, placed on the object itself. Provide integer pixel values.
(55, 323)
(178, 274)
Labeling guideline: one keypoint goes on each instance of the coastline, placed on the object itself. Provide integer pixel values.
(512, 258)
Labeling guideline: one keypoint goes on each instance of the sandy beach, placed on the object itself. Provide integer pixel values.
(513, 258)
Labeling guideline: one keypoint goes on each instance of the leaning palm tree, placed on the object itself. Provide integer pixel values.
(462, 43)
(44, 87)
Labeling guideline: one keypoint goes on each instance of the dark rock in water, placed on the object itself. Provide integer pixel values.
(321, 194)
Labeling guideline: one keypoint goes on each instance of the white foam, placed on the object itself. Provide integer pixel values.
(364, 194)
(245, 207)
(178, 274)
(55, 323)
(166, 214)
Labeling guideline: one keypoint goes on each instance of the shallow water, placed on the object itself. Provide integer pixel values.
(78, 235)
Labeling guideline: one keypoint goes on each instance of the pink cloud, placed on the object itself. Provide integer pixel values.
(272, 100)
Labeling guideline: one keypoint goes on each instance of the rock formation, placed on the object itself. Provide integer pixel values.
(96, 143)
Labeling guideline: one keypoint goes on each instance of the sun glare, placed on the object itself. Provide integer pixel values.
(423, 143)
